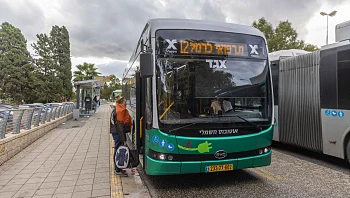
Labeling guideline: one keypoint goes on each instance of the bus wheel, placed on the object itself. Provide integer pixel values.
(347, 151)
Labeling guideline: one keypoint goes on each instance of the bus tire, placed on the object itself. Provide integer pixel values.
(347, 151)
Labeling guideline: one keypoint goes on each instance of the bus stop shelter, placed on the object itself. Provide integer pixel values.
(86, 90)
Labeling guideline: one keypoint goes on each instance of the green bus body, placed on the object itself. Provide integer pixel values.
(166, 150)
(208, 145)
(201, 146)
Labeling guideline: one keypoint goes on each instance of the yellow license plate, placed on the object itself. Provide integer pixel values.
(218, 168)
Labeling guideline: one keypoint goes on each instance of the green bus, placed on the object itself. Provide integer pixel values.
(200, 94)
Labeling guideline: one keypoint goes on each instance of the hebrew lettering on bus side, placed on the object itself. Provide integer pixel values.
(208, 48)
(219, 49)
(241, 50)
(234, 47)
(193, 47)
(199, 48)
(228, 49)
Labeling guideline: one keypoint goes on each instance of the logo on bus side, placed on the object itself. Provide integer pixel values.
(327, 112)
(171, 44)
(219, 64)
(334, 113)
(254, 49)
(221, 154)
(201, 148)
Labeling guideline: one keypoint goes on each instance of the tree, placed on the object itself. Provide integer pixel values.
(16, 69)
(310, 47)
(86, 71)
(46, 78)
(53, 65)
(106, 91)
(114, 82)
(108, 88)
(264, 26)
(51, 86)
(61, 50)
(283, 37)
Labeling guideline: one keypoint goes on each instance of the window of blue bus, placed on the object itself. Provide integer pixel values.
(201, 72)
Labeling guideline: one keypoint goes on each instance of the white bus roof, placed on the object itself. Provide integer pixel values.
(286, 53)
(333, 45)
(342, 31)
(191, 24)
(341, 25)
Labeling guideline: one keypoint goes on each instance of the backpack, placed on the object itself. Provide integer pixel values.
(122, 157)
(126, 158)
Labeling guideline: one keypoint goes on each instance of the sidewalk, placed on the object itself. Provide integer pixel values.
(72, 160)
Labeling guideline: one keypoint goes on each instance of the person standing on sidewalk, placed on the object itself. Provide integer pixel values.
(94, 103)
(122, 117)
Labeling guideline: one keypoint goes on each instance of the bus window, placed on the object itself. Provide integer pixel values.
(343, 79)
(192, 87)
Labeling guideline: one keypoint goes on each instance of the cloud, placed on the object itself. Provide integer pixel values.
(298, 12)
(105, 66)
(112, 28)
(24, 15)
(115, 67)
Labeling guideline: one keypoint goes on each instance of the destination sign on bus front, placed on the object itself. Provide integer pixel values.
(186, 47)
(207, 43)
(197, 47)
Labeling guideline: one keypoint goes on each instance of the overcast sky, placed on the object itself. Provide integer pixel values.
(106, 32)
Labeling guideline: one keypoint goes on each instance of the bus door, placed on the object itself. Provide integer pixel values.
(140, 112)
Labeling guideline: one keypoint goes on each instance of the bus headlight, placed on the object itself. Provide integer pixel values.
(162, 157)
(266, 150)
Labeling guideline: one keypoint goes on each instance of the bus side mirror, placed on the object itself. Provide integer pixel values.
(146, 65)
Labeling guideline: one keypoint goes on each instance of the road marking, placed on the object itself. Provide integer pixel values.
(272, 174)
(266, 174)
(262, 174)
(116, 183)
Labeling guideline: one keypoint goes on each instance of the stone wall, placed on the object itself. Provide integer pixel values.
(12, 145)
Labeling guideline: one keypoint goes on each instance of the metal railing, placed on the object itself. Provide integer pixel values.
(25, 117)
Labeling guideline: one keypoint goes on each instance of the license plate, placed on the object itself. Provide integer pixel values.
(218, 168)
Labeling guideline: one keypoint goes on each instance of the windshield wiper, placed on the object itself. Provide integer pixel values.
(257, 126)
(185, 126)
(251, 123)
(181, 127)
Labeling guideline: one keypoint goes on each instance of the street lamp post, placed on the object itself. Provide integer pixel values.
(331, 15)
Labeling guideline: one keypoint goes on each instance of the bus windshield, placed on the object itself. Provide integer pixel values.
(196, 86)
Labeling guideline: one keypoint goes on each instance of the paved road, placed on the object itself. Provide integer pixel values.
(291, 174)
(70, 161)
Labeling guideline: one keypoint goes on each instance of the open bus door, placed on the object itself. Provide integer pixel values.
(140, 111)
(146, 72)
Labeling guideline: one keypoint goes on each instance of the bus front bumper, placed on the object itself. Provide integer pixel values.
(158, 167)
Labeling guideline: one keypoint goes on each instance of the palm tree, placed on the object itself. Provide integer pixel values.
(86, 71)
